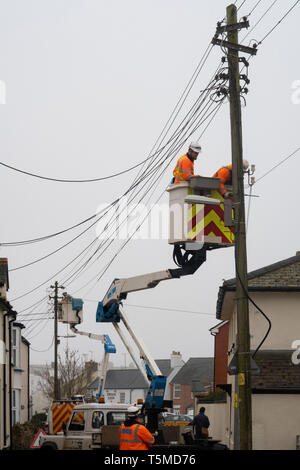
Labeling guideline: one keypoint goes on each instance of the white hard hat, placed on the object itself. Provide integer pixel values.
(133, 411)
(195, 146)
(245, 165)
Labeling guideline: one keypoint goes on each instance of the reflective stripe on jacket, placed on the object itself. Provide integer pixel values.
(184, 169)
(225, 175)
(135, 437)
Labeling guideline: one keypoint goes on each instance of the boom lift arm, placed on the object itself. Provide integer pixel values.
(70, 311)
(109, 311)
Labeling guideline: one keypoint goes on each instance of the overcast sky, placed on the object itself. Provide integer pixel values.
(89, 87)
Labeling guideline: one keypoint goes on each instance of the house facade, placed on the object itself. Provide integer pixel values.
(127, 385)
(7, 317)
(21, 382)
(193, 377)
(275, 289)
(121, 386)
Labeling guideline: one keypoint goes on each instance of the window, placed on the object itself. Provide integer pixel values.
(97, 419)
(16, 395)
(176, 391)
(77, 423)
(122, 397)
(114, 417)
(15, 352)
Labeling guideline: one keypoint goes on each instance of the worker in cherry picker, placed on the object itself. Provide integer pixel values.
(225, 175)
(184, 169)
(133, 434)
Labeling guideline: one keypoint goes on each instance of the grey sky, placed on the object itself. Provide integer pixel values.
(89, 87)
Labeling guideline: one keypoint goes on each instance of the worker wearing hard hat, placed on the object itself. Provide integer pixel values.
(184, 169)
(225, 175)
(133, 434)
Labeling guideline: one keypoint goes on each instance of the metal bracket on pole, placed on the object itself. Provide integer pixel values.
(236, 47)
(232, 27)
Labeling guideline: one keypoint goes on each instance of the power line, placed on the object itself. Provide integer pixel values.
(123, 246)
(277, 24)
(172, 309)
(35, 319)
(254, 8)
(75, 181)
(278, 164)
(170, 140)
(257, 23)
(43, 350)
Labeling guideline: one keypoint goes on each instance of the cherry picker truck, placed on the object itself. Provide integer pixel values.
(200, 220)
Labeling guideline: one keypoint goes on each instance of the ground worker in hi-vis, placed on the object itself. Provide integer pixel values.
(133, 434)
(225, 175)
(184, 169)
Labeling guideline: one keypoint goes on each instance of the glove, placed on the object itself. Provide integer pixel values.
(227, 194)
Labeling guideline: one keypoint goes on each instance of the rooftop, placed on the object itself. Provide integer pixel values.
(277, 277)
(199, 370)
(122, 379)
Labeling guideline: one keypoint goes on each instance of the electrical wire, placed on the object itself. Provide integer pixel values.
(277, 165)
(241, 5)
(130, 238)
(63, 246)
(77, 237)
(246, 291)
(257, 23)
(43, 350)
(125, 220)
(42, 283)
(174, 114)
(171, 309)
(123, 246)
(254, 8)
(277, 24)
(46, 237)
(75, 181)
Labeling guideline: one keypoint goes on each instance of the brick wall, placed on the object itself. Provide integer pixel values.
(185, 399)
(221, 357)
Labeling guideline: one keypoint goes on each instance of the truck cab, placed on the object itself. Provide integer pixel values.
(84, 430)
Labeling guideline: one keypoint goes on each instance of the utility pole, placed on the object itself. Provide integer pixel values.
(56, 341)
(244, 359)
(232, 27)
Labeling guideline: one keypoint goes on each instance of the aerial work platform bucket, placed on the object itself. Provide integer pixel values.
(198, 213)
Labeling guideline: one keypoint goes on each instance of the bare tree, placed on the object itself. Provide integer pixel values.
(71, 372)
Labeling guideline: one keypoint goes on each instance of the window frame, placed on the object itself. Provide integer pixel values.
(176, 391)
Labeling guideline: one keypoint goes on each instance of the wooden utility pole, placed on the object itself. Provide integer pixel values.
(56, 341)
(244, 359)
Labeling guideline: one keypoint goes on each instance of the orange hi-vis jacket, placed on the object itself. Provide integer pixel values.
(225, 175)
(135, 437)
(184, 169)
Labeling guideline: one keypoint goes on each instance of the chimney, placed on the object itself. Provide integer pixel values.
(4, 284)
(176, 359)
